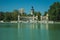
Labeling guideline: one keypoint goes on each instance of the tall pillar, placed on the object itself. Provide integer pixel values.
(41, 18)
(18, 18)
(33, 17)
(47, 17)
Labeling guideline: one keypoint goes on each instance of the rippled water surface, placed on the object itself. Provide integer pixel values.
(29, 31)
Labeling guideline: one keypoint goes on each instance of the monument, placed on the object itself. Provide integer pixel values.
(32, 11)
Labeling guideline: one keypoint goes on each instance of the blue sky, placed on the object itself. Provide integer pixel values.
(39, 5)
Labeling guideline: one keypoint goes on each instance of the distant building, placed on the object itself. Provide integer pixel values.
(27, 18)
(44, 17)
(47, 16)
(21, 11)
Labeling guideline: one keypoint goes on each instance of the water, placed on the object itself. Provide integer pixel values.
(29, 31)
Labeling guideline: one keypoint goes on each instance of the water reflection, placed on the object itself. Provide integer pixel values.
(34, 26)
(8, 31)
(54, 31)
(20, 31)
(44, 32)
(34, 32)
(38, 31)
(47, 26)
(30, 31)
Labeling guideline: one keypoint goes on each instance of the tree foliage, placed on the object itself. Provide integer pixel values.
(45, 13)
(54, 12)
(37, 14)
(10, 16)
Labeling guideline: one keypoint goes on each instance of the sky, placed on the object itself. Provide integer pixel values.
(39, 5)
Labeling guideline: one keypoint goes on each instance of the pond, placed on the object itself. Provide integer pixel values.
(29, 31)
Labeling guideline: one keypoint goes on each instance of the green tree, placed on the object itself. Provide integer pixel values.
(45, 13)
(7, 17)
(23, 14)
(1, 15)
(54, 12)
(15, 15)
(37, 14)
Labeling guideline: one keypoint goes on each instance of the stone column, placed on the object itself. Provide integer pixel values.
(47, 17)
(18, 18)
(41, 18)
(33, 17)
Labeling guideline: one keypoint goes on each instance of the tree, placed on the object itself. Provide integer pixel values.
(54, 12)
(15, 15)
(45, 13)
(1, 15)
(37, 14)
(23, 14)
(7, 17)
